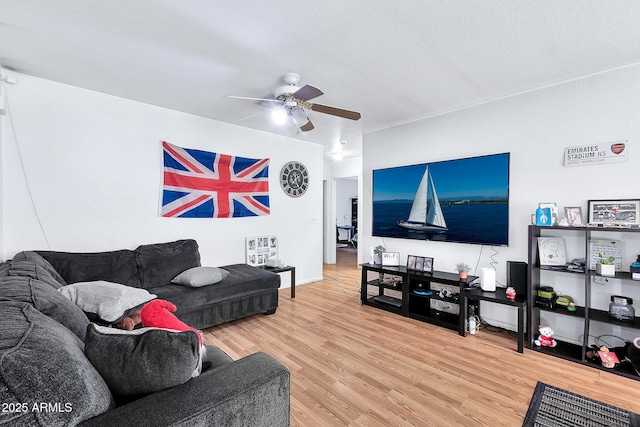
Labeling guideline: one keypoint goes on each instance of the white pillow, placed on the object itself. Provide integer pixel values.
(109, 302)
(200, 276)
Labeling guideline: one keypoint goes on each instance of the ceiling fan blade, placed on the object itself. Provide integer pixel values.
(352, 115)
(255, 99)
(307, 92)
(307, 127)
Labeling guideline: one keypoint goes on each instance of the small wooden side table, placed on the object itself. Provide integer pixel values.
(283, 269)
(498, 297)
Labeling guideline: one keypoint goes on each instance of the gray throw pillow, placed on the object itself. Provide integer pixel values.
(46, 300)
(144, 360)
(200, 276)
(41, 362)
(106, 301)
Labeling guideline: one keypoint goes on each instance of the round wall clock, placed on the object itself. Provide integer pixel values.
(294, 179)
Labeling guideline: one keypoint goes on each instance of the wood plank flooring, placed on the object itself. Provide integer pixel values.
(354, 365)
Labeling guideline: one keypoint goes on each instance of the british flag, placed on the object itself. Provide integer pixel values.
(201, 184)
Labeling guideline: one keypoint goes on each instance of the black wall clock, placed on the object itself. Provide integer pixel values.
(294, 179)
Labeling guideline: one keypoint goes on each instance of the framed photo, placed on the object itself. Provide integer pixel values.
(554, 211)
(420, 263)
(614, 213)
(427, 266)
(551, 251)
(411, 262)
(574, 216)
(260, 249)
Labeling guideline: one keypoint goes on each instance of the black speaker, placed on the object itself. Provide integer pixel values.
(517, 276)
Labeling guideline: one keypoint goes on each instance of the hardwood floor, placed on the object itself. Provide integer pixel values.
(354, 365)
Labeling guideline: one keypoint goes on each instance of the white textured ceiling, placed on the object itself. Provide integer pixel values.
(393, 61)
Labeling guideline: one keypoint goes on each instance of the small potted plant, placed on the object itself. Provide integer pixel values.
(463, 270)
(605, 266)
(377, 254)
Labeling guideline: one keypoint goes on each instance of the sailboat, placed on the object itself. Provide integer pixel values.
(426, 213)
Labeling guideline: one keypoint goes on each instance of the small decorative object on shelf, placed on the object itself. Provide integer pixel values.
(376, 254)
(553, 207)
(463, 270)
(545, 338)
(390, 258)
(605, 266)
(621, 308)
(574, 216)
(634, 269)
(552, 251)
(511, 293)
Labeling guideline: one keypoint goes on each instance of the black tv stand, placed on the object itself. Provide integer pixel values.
(416, 294)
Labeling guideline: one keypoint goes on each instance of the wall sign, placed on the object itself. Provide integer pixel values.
(612, 152)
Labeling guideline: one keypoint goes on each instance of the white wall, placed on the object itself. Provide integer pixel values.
(93, 165)
(535, 128)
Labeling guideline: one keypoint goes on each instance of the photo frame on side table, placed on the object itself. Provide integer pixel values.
(614, 213)
(260, 249)
(420, 263)
(427, 267)
(574, 216)
(391, 259)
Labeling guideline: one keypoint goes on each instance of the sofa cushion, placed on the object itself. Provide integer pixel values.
(41, 362)
(105, 301)
(46, 300)
(144, 360)
(37, 259)
(159, 263)
(200, 276)
(115, 266)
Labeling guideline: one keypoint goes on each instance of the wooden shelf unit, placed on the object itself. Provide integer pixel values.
(439, 310)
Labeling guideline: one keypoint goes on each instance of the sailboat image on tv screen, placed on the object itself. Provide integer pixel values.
(426, 213)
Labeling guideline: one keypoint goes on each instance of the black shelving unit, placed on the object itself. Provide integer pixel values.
(586, 314)
(434, 308)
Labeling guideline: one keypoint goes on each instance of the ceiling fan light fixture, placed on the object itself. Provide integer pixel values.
(299, 116)
(279, 116)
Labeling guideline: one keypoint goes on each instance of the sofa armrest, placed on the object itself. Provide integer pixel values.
(252, 391)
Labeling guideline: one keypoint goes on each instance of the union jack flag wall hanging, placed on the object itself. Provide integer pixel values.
(201, 184)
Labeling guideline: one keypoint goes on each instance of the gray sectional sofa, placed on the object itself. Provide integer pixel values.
(58, 369)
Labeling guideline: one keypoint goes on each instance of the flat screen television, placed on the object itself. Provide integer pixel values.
(464, 200)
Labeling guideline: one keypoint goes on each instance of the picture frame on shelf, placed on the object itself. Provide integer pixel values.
(427, 266)
(420, 263)
(411, 262)
(614, 213)
(553, 207)
(391, 259)
(551, 251)
(574, 216)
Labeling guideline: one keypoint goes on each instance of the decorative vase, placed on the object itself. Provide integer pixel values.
(377, 258)
(463, 275)
(606, 269)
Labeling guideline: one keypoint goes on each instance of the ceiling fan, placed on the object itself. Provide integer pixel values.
(294, 101)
